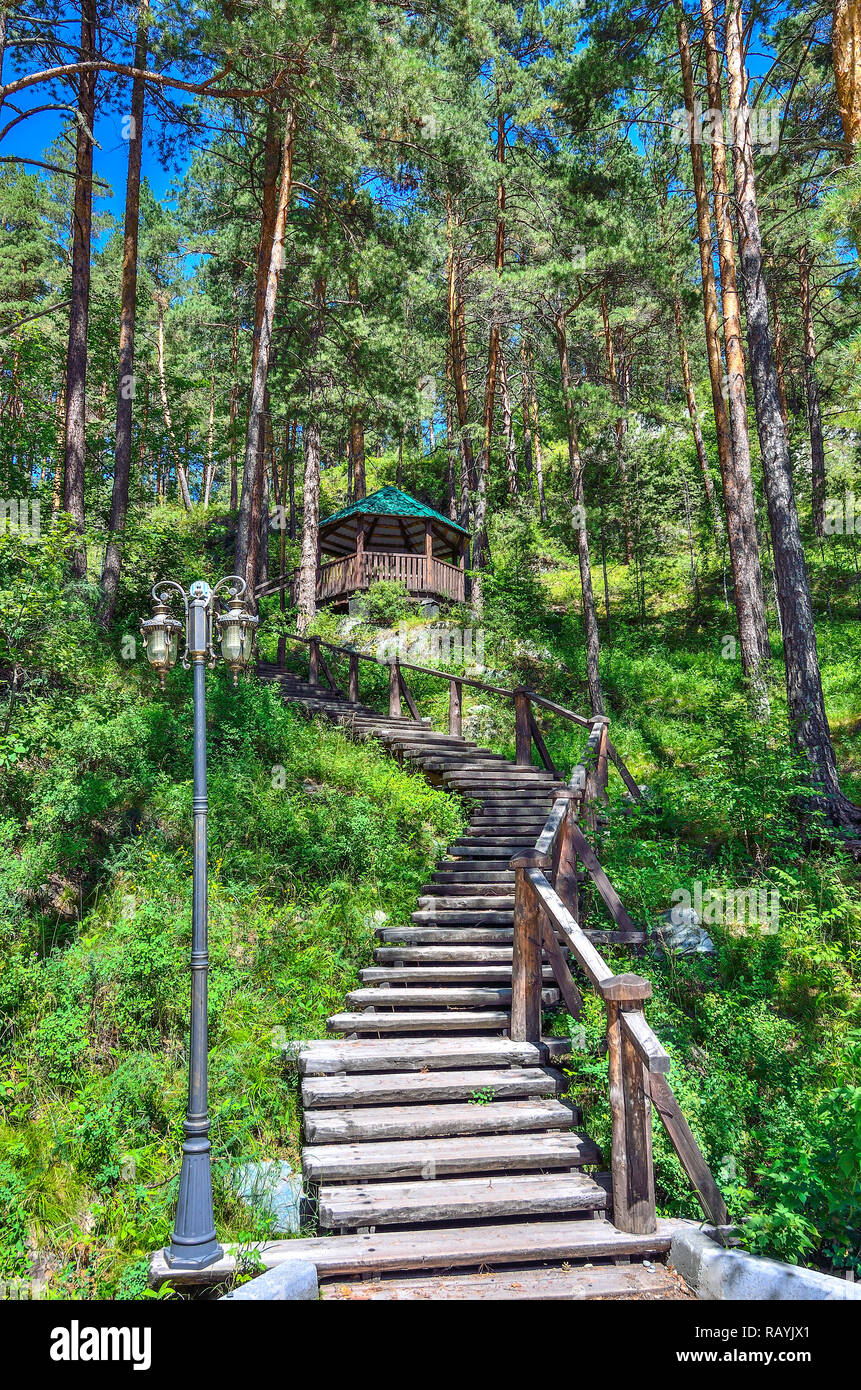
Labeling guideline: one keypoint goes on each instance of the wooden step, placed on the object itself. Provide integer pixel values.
(490, 955)
(451, 917)
(444, 1247)
(566, 1283)
(433, 1158)
(461, 1199)
(460, 871)
(415, 1088)
(381, 997)
(441, 936)
(466, 902)
(420, 1021)
(482, 850)
(475, 974)
(331, 1056)
(462, 888)
(366, 1124)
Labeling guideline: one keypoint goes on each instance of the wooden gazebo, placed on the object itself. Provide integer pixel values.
(391, 535)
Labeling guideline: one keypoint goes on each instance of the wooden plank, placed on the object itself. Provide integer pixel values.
(501, 954)
(689, 1152)
(619, 764)
(462, 997)
(331, 1056)
(419, 1021)
(642, 1038)
(429, 936)
(552, 826)
(433, 1158)
(611, 898)
(460, 1199)
(377, 1122)
(411, 704)
(587, 957)
(570, 1284)
(468, 1247)
(541, 745)
(412, 974)
(571, 995)
(559, 709)
(416, 1088)
(526, 992)
(455, 708)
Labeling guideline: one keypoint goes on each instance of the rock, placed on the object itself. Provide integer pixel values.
(679, 931)
(271, 1186)
(294, 1279)
(312, 788)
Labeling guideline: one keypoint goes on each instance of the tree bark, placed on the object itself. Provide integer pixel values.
(806, 705)
(210, 437)
(846, 57)
(756, 647)
(181, 477)
(232, 412)
(79, 308)
(743, 547)
(456, 318)
(357, 427)
(811, 393)
(128, 301)
(247, 535)
(307, 596)
(619, 426)
(699, 443)
(527, 415)
(479, 544)
(590, 618)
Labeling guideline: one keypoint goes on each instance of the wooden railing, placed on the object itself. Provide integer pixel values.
(526, 728)
(546, 918)
(350, 574)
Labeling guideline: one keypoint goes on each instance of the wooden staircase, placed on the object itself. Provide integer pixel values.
(443, 1153)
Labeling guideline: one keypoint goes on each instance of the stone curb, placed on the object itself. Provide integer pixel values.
(715, 1273)
(294, 1279)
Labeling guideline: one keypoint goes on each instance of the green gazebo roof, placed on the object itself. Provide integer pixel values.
(397, 523)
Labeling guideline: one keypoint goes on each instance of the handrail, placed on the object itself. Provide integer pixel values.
(637, 1064)
(526, 729)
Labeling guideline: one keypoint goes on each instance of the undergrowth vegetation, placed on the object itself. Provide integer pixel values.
(315, 840)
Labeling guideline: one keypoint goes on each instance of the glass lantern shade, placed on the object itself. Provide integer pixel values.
(231, 637)
(157, 645)
(247, 643)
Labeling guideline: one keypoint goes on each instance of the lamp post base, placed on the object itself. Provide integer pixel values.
(193, 1256)
(193, 1242)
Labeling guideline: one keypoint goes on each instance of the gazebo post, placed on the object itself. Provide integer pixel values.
(428, 557)
(359, 577)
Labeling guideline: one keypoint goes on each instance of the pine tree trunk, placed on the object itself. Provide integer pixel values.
(79, 308)
(806, 704)
(450, 443)
(736, 371)
(249, 503)
(357, 428)
(846, 57)
(210, 437)
(536, 451)
(590, 618)
(232, 413)
(456, 325)
(527, 419)
(811, 392)
(307, 595)
(479, 542)
(699, 444)
(128, 301)
(619, 427)
(743, 547)
(181, 478)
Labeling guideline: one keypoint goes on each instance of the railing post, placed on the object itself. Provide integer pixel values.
(314, 661)
(601, 770)
(522, 730)
(565, 863)
(395, 689)
(354, 678)
(526, 981)
(631, 1108)
(455, 708)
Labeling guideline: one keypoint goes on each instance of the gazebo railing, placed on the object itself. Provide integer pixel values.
(352, 573)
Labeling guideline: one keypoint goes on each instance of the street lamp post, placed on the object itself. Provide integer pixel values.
(193, 1242)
